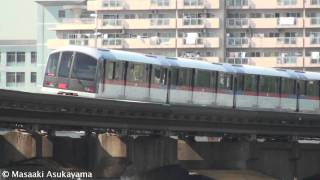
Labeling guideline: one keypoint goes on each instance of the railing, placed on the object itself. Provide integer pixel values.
(315, 2)
(198, 41)
(159, 41)
(237, 22)
(112, 22)
(193, 21)
(112, 3)
(237, 3)
(80, 42)
(159, 22)
(237, 60)
(287, 2)
(315, 40)
(315, 61)
(287, 60)
(193, 2)
(78, 20)
(237, 41)
(287, 40)
(315, 20)
(160, 3)
(112, 42)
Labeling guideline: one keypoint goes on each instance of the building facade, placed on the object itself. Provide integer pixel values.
(18, 46)
(273, 33)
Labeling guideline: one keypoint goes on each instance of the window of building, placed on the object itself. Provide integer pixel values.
(160, 2)
(33, 57)
(15, 78)
(193, 2)
(11, 58)
(21, 57)
(10, 79)
(20, 77)
(33, 77)
(62, 14)
(287, 2)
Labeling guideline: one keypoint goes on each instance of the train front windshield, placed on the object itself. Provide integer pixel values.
(71, 71)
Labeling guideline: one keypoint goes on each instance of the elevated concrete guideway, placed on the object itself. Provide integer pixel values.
(53, 112)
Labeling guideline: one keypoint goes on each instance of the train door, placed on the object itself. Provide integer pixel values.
(288, 94)
(137, 81)
(309, 96)
(51, 78)
(159, 85)
(269, 92)
(204, 90)
(181, 86)
(64, 70)
(83, 74)
(247, 93)
(225, 90)
(114, 81)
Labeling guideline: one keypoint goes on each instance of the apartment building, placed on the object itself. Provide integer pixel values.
(18, 46)
(185, 28)
(273, 33)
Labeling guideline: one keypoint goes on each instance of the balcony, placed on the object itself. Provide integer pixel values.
(312, 42)
(124, 5)
(265, 42)
(313, 4)
(198, 4)
(265, 23)
(161, 23)
(237, 42)
(209, 42)
(76, 24)
(278, 62)
(111, 24)
(313, 22)
(198, 23)
(259, 4)
(146, 43)
(112, 43)
(276, 42)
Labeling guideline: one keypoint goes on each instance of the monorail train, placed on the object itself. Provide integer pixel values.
(113, 74)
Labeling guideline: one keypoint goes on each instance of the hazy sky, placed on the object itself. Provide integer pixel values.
(18, 19)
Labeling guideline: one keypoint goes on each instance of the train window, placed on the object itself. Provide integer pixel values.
(203, 79)
(159, 75)
(311, 88)
(288, 86)
(225, 81)
(138, 72)
(240, 83)
(181, 77)
(84, 67)
(65, 64)
(250, 82)
(269, 84)
(110, 70)
(115, 70)
(52, 64)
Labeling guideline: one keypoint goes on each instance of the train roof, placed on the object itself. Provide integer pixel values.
(188, 63)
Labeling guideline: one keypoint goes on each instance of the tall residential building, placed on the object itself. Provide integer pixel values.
(273, 33)
(18, 47)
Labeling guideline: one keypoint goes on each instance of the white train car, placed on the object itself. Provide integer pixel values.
(112, 74)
